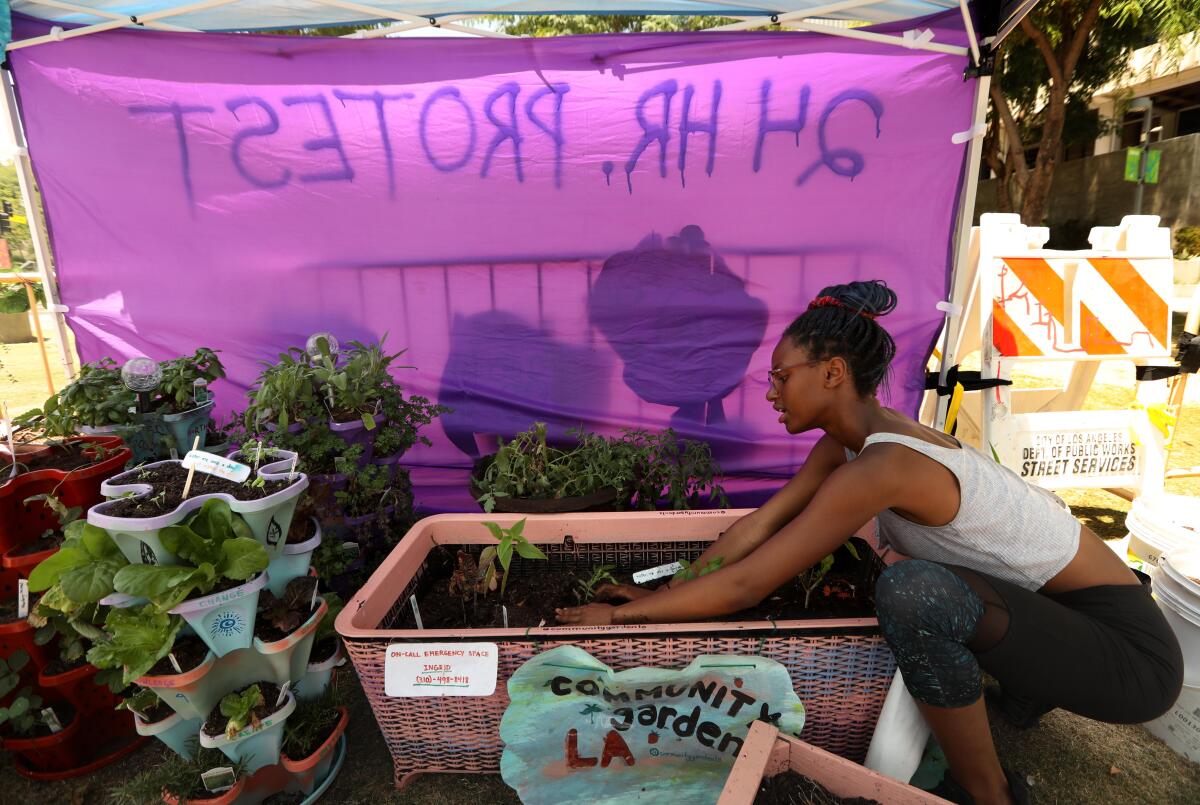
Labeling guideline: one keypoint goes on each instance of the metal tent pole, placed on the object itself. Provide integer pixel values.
(37, 229)
(955, 316)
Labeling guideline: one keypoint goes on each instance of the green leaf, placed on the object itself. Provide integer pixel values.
(850, 547)
(497, 531)
(154, 581)
(18, 659)
(528, 550)
(189, 545)
(242, 558)
(50, 570)
(518, 527)
(97, 542)
(140, 638)
(89, 582)
(18, 708)
(504, 552)
(368, 421)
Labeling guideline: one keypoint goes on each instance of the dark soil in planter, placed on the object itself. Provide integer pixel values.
(161, 711)
(301, 530)
(295, 604)
(61, 666)
(171, 478)
(537, 588)
(61, 457)
(793, 788)
(189, 653)
(44, 543)
(8, 611)
(216, 723)
(285, 798)
(323, 651)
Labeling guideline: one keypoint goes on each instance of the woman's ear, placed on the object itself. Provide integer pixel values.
(836, 372)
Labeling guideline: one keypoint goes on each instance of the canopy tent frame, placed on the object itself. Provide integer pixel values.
(813, 19)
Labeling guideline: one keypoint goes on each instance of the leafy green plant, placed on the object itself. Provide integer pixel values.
(812, 578)
(142, 702)
(1187, 242)
(310, 724)
(15, 299)
(217, 544)
(325, 628)
(134, 640)
(82, 571)
(288, 611)
(585, 589)
(23, 713)
(179, 376)
(643, 467)
(509, 540)
(692, 571)
(284, 393)
(239, 708)
(96, 397)
(10, 671)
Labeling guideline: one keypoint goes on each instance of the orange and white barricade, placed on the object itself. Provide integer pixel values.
(1023, 303)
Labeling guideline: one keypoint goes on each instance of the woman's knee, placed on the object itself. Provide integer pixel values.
(917, 594)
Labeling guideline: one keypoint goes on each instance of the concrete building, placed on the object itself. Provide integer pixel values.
(1089, 187)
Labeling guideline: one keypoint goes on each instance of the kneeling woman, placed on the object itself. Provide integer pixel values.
(1001, 577)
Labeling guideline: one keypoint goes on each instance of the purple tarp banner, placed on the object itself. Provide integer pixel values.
(602, 231)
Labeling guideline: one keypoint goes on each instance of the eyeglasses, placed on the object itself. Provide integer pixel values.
(776, 378)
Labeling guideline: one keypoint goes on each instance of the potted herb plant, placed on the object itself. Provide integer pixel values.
(325, 655)
(247, 726)
(309, 739)
(598, 473)
(184, 401)
(176, 779)
(149, 500)
(153, 717)
(286, 626)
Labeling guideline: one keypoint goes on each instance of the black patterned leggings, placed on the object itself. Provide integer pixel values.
(1103, 652)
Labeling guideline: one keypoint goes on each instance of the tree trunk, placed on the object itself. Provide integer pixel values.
(1041, 178)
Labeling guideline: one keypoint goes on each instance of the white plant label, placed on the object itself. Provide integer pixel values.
(440, 669)
(412, 599)
(51, 719)
(174, 662)
(219, 466)
(313, 604)
(22, 598)
(219, 779)
(652, 573)
(283, 691)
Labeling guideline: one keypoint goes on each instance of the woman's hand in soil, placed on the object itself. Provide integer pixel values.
(620, 593)
(587, 615)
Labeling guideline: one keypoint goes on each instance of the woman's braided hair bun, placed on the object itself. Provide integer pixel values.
(840, 321)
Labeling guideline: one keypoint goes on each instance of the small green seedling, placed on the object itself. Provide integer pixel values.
(141, 703)
(586, 588)
(811, 578)
(239, 709)
(509, 539)
(691, 571)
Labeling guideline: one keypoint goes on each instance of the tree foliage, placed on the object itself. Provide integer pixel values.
(572, 24)
(1047, 72)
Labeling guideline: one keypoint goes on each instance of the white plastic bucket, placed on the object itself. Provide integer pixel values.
(1177, 590)
(1179, 728)
(1161, 523)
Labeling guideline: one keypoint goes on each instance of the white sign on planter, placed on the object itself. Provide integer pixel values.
(440, 669)
(216, 465)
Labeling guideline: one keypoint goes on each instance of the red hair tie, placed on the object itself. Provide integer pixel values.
(833, 301)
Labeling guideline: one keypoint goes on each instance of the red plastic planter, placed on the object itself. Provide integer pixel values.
(78, 686)
(19, 635)
(21, 522)
(50, 753)
(308, 771)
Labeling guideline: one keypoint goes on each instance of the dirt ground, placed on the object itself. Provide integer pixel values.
(1069, 759)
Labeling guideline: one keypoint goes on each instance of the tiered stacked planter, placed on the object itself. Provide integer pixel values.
(766, 752)
(841, 668)
(236, 658)
(155, 434)
(96, 734)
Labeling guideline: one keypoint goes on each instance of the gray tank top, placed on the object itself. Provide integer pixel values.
(1004, 526)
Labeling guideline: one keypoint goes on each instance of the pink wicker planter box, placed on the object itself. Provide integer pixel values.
(841, 668)
(766, 753)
